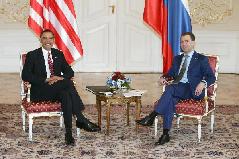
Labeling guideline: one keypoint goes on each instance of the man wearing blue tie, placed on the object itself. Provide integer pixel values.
(191, 73)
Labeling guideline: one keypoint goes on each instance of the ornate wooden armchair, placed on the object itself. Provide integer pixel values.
(36, 109)
(199, 108)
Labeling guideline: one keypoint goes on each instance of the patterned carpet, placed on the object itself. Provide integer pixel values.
(122, 142)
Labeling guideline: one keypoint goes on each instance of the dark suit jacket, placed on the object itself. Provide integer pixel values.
(198, 70)
(34, 69)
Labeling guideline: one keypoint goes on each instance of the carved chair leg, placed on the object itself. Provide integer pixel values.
(77, 129)
(199, 129)
(30, 127)
(61, 121)
(212, 121)
(23, 120)
(78, 132)
(178, 121)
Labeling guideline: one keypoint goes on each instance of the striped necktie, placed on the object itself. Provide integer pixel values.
(182, 70)
(50, 62)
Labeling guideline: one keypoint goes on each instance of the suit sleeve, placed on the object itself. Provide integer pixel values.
(66, 68)
(172, 72)
(28, 73)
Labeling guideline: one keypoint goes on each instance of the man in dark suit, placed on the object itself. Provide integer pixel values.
(191, 73)
(50, 77)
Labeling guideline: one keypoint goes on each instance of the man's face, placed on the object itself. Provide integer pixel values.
(187, 44)
(47, 40)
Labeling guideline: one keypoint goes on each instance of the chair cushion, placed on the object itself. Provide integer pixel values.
(38, 107)
(193, 107)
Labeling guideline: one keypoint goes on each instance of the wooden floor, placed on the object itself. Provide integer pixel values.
(227, 92)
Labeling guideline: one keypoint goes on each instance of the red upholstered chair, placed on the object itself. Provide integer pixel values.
(198, 109)
(36, 109)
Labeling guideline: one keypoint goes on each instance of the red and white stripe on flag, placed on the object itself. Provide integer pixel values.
(58, 16)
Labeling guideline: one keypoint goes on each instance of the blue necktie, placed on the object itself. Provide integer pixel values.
(182, 70)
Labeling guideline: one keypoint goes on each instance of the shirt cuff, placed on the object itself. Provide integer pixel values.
(205, 82)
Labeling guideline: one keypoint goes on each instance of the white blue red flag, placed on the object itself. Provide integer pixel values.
(58, 16)
(169, 18)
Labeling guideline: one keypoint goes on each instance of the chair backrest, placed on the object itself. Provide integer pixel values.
(23, 85)
(22, 61)
(214, 64)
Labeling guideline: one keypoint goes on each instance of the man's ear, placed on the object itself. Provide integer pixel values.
(40, 40)
(193, 43)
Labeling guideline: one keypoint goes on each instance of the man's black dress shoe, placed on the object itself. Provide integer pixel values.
(146, 121)
(163, 139)
(69, 139)
(87, 125)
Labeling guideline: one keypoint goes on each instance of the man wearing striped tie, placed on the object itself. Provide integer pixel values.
(50, 77)
(191, 72)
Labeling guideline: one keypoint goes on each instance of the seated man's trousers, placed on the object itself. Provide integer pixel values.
(65, 92)
(170, 97)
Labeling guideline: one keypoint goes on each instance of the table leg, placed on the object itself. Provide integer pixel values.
(98, 105)
(138, 111)
(108, 117)
(127, 113)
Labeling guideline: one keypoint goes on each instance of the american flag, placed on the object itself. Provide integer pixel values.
(58, 16)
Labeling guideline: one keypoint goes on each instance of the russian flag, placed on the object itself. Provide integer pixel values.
(169, 18)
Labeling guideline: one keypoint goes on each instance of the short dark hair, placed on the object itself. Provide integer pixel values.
(46, 30)
(192, 36)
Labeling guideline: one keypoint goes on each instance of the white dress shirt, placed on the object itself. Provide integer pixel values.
(185, 78)
(45, 54)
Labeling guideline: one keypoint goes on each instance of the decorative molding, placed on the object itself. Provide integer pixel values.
(206, 12)
(202, 12)
(14, 10)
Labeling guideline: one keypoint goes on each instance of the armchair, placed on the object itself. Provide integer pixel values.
(198, 108)
(36, 109)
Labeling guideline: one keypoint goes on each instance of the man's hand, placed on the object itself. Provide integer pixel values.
(199, 88)
(163, 81)
(53, 79)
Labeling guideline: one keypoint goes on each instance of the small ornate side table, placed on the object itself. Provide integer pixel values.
(125, 98)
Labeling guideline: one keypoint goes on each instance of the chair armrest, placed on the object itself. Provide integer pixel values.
(27, 90)
(169, 80)
(211, 90)
(210, 93)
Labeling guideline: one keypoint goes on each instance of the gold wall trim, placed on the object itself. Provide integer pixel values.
(206, 12)
(202, 12)
(14, 10)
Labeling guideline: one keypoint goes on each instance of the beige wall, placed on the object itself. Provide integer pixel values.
(229, 23)
(221, 38)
